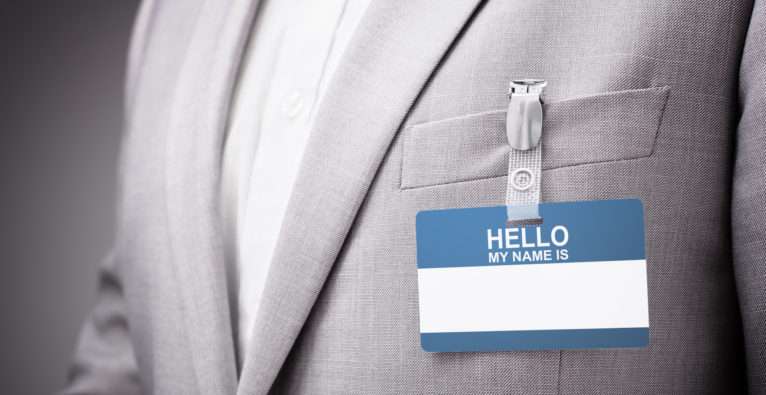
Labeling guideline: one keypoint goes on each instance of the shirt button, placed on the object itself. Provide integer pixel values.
(292, 104)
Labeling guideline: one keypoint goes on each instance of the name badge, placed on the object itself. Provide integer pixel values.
(576, 281)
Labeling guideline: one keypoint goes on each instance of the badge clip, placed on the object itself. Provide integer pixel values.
(524, 126)
(524, 122)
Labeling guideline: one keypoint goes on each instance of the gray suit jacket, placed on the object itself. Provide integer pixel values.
(661, 101)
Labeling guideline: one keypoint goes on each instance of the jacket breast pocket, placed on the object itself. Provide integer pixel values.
(606, 127)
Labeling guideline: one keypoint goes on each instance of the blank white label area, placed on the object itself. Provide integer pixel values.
(581, 295)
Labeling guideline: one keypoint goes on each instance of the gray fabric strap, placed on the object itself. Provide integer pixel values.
(522, 195)
(524, 124)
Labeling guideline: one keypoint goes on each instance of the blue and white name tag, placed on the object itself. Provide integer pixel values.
(576, 281)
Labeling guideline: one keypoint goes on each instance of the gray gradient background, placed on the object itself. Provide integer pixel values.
(61, 75)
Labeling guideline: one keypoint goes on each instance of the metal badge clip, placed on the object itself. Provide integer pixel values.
(524, 123)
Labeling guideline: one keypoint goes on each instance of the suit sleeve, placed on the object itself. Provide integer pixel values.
(104, 360)
(749, 199)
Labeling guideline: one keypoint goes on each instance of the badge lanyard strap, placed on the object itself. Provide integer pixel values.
(524, 128)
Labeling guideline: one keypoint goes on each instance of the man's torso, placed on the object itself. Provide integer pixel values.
(640, 104)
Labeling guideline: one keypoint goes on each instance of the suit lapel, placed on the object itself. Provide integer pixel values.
(197, 122)
(397, 46)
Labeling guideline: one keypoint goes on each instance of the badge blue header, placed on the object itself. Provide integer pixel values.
(607, 230)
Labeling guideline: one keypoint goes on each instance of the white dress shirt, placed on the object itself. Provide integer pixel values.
(294, 48)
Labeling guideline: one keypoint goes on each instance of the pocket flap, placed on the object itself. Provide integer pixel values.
(600, 128)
